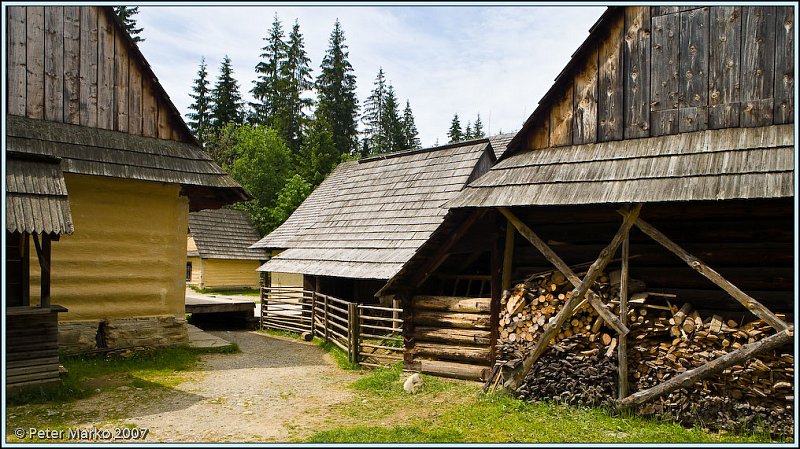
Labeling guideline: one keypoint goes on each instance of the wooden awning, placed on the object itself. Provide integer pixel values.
(36, 195)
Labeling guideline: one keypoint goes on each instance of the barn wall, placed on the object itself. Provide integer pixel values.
(230, 273)
(664, 70)
(127, 257)
(72, 64)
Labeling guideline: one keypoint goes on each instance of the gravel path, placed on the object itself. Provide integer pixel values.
(275, 389)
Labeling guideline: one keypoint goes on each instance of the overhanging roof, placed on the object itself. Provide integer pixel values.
(36, 196)
(224, 234)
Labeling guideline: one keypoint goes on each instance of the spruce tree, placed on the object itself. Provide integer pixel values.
(468, 131)
(392, 124)
(477, 132)
(296, 75)
(125, 16)
(374, 110)
(267, 89)
(455, 134)
(200, 118)
(226, 101)
(336, 89)
(410, 133)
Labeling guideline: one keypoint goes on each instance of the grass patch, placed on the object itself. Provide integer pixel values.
(447, 411)
(341, 358)
(142, 369)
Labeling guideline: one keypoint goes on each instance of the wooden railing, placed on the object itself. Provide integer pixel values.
(371, 335)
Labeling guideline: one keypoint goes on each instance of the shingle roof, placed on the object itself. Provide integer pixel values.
(500, 143)
(370, 216)
(224, 234)
(706, 165)
(94, 151)
(36, 196)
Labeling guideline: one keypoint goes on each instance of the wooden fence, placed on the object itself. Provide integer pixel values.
(370, 335)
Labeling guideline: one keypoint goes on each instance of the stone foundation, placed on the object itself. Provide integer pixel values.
(152, 331)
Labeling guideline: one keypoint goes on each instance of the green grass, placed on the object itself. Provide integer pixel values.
(148, 368)
(338, 355)
(446, 411)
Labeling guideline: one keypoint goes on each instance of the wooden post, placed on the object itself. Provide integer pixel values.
(396, 305)
(25, 256)
(715, 366)
(408, 328)
(751, 304)
(552, 327)
(43, 255)
(313, 312)
(508, 255)
(496, 267)
(622, 348)
(354, 321)
(327, 326)
(264, 306)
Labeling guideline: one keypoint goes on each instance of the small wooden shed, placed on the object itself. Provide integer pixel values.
(679, 118)
(369, 217)
(218, 250)
(80, 90)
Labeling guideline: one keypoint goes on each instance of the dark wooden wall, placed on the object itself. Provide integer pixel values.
(654, 71)
(749, 242)
(73, 64)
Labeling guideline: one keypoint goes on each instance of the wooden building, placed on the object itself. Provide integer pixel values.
(369, 217)
(218, 250)
(80, 90)
(670, 122)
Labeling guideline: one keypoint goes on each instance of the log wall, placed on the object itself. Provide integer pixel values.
(654, 71)
(31, 347)
(73, 64)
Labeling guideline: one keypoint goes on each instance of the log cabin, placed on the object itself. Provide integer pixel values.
(121, 172)
(218, 250)
(680, 119)
(368, 217)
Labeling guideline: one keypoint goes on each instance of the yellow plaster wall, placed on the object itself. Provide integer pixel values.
(127, 256)
(197, 270)
(229, 273)
(190, 245)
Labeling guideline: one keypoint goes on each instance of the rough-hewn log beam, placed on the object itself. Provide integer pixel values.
(622, 348)
(715, 366)
(751, 304)
(550, 329)
(508, 255)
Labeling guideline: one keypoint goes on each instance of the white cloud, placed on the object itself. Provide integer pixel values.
(492, 61)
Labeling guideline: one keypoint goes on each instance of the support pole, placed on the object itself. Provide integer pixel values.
(622, 349)
(508, 255)
(750, 303)
(354, 322)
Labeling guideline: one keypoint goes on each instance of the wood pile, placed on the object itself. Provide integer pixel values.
(580, 365)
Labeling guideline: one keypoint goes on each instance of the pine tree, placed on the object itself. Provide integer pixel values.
(392, 124)
(374, 110)
(455, 134)
(200, 118)
(410, 133)
(336, 88)
(226, 101)
(477, 132)
(125, 16)
(267, 89)
(468, 132)
(296, 75)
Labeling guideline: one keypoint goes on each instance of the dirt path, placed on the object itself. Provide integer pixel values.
(260, 394)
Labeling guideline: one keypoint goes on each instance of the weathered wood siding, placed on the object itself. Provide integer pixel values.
(230, 273)
(128, 258)
(31, 348)
(73, 64)
(655, 71)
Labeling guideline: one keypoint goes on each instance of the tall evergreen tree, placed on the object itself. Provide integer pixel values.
(296, 75)
(318, 154)
(199, 120)
(374, 110)
(477, 132)
(267, 89)
(410, 133)
(226, 101)
(336, 88)
(125, 16)
(392, 124)
(468, 132)
(455, 134)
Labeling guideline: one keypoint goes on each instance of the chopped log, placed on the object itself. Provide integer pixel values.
(681, 315)
(750, 303)
(454, 370)
(712, 367)
(594, 271)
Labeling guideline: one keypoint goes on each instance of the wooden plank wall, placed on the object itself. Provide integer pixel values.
(655, 71)
(750, 244)
(72, 64)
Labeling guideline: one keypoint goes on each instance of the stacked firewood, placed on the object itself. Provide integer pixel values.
(580, 364)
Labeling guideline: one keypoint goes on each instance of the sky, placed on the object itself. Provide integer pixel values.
(467, 60)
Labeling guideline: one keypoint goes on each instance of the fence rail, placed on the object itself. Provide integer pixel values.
(370, 335)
